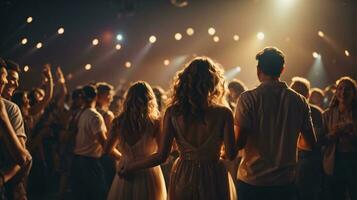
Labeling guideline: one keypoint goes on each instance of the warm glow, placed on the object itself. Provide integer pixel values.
(29, 19)
(118, 47)
(190, 31)
(235, 37)
(88, 67)
(216, 39)
(39, 45)
(315, 55)
(321, 34)
(152, 39)
(60, 31)
(166, 62)
(347, 53)
(211, 31)
(178, 36)
(24, 41)
(119, 37)
(260, 36)
(127, 64)
(26, 68)
(95, 42)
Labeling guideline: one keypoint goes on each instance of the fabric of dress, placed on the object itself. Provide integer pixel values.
(199, 173)
(148, 184)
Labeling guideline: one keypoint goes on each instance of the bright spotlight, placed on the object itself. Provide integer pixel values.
(127, 64)
(119, 37)
(24, 41)
(178, 36)
(39, 45)
(166, 62)
(190, 31)
(118, 47)
(347, 53)
(260, 36)
(88, 67)
(216, 38)
(321, 34)
(152, 39)
(316, 55)
(29, 19)
(238, 69)
(235, 37)
(26, 68)
(211, 31)
(95, 42)
(60, 31)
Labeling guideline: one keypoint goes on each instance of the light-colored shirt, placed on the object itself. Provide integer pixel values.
(15, 117)
(90, 124)
(274, 115)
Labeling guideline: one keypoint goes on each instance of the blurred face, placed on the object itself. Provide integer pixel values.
(13, 83)
(316, 98)
(3, 79)
(106, 98)
(345, 92)
(233, 95)
(26, 101)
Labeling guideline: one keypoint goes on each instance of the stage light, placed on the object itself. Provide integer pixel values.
(190, 31)
(260, 36)
(119, 37)
(178, 36)
(238, 69)
(235, 37)
(166, 62)
(39, 45)
(29, 19)
(211, 31)
(127, 64)
(316, 55)
(152, 39)
(60, 31)
(95, 42)
(118, 47)
(88, 67)
(24, 41)
(347, 53)
(216, 38)
(321, 34)
(26, 68)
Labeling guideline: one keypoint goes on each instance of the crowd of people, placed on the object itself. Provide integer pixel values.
(202, 139)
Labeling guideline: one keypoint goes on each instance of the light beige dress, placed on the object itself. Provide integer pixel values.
(148, 184)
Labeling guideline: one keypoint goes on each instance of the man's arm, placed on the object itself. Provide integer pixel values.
(307, 129)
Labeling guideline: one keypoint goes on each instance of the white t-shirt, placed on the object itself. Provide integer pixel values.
(90, 123)
(16, 120)
(275, 115)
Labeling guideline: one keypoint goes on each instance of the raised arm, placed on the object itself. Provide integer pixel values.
(163, 152)
(48, 82)
(61, 82)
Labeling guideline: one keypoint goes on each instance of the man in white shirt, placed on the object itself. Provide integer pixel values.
(269, 120)
(87, 171)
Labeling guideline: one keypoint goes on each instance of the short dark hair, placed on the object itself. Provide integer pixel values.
(271, 61)
(103, 87)
(11, 65)
(301, 86)
(89, 93)
(77, 93)
(237, 85)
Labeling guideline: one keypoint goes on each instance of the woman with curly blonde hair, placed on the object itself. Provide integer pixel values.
(135, 132)
(201, 124)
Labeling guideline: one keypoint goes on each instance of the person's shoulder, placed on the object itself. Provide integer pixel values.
(11, 107)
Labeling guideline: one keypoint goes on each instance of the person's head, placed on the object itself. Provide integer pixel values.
(317, 97)
(3, 78)
(77, 98)
(235, 87)
(117, 104)
(160, 97)
(301, 86)
(13, 70)
(270, 63)
(90, 95)
(21, 99)
(105, 93)
(199, 85)
(346, 92)
(36, 95)
(139, 110)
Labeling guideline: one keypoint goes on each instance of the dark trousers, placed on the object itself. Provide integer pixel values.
(88, 179)
(344, 180)
(309, 175)
(251, 192)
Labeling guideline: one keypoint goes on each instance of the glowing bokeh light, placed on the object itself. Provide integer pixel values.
(24, 41)
(60, 30)
(260, 36)
(178, 36)
(320, 33)
(39, 45)
(26, 68)
(127, 64)
(235, 37)
(347, 53)
(190, 31)
(119, 37)
(152, 39)
(316, 55)
(95, 41)
(88, 67)
(216, 38)
(118, 47)
(29, 19)
(211, 31)
(166, 62)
